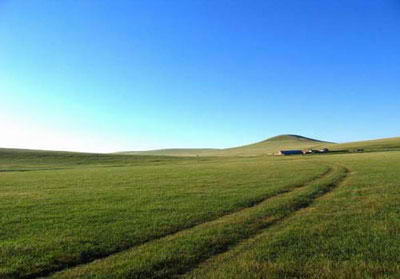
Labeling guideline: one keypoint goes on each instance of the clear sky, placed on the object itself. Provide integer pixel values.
(113, 75)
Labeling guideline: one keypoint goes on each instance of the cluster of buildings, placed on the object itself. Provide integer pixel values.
(301, 152)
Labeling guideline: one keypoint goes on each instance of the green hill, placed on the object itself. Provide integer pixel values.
(274, 144)
(369, 145)
(268, 146)
(265, 147)
(173, 152)
(20, 159)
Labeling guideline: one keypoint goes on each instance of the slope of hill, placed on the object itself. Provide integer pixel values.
(19, 159)
(173, 152)
(268, 146)
(368, 145)
(274, 144)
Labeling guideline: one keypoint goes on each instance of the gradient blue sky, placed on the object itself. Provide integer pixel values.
(106, 76)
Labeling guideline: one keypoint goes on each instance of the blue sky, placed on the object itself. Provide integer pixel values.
(106, 75)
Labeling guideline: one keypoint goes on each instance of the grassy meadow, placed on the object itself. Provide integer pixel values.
(77, 215)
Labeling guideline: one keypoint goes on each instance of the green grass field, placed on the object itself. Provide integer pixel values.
(77, 215)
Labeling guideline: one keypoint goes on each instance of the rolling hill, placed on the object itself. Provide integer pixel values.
(274, 144)
(268, 146)
(369, 145)
(174, 152)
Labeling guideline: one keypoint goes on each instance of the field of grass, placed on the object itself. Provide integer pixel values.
(76, 215)
(64, 213)
(352, 232)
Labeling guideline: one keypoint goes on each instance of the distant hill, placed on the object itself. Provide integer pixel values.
(265, 147)
(369, 145)
(23, 158)
(268, 146)
(174, 152)
(274, 144)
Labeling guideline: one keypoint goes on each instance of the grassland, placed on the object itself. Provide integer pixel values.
(59, 216)
(352, 232)
(76, 215)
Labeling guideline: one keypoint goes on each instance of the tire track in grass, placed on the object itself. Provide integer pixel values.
(316, 195)
(212, 264)
(26, 170)
(58, 266)
(181, 252)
